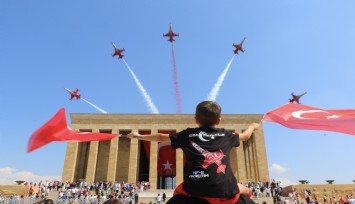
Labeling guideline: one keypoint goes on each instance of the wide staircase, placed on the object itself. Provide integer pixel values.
(268, 200)
(151, 196)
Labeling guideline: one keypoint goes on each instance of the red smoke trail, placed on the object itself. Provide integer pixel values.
(176, 82)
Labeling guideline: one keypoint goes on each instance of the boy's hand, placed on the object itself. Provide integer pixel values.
(134, 135)
(248, 132)
(255, 126)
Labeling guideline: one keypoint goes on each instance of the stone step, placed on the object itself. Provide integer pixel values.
(154, 194)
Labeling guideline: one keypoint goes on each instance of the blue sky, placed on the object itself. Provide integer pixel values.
(291, 46)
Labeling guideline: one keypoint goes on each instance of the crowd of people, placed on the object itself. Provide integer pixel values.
(82, 187)
(265, 189)
(12, 199)
(87, 191)
(126, 193)
(122, 191)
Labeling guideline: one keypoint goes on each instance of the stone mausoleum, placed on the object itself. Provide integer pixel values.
(122, 159)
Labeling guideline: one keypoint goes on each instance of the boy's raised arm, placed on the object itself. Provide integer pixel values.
(156, 137)
(248, 132)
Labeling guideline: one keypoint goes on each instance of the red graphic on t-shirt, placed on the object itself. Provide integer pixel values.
(211, 157)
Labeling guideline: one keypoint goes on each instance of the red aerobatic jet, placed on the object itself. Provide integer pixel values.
(73, 94)
(239, 47)
(171, 34)
(118, 52)
(296, 97)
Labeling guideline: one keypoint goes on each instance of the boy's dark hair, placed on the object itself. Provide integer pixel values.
(208, 113)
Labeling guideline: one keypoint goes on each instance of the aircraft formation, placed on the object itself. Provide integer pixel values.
(171, 35)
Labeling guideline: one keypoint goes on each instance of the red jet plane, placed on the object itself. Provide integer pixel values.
(296, 97)
(73, 94)
(171, 34)
(118, 52)
(238, 47)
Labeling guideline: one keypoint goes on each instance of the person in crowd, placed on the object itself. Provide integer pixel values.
(159, 198)
(164, 196)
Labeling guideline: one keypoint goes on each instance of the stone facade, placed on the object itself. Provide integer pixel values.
(119, 159)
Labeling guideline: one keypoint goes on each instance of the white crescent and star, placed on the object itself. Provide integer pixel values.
(200, 136)
(298, 114)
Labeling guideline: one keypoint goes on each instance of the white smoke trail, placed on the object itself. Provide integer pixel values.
(147, 98)
(215, 90)
(93, 105)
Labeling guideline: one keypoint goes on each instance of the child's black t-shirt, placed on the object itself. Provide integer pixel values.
(207, 151)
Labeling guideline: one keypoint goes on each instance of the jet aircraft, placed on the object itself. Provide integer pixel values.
(118, 52)
(296, 97)
(73, 94)
(238, 47)
(171, 34)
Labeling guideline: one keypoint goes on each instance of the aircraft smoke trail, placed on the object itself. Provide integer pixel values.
(147, 98)
(176, 82)
(215, 90)
(95, 106)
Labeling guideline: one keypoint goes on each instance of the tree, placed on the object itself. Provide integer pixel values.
(303, 181)
(20, 182)
(329, 181)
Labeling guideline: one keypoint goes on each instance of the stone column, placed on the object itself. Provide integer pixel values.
(153, 172)
(252, 158)
(234, 161)
(70, 161)
(262, 165)
(91, 168)
(112, 158)
(179, 166)
(133, 160)
(247, 159)
(242, 176)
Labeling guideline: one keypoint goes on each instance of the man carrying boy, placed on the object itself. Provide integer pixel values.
(209, 178)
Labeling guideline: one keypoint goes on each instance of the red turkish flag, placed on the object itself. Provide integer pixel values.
(299, 116)
(166, 159)
(56, 129)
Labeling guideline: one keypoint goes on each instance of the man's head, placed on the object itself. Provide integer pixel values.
(208, 113)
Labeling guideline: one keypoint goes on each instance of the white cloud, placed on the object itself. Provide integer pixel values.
(277, 168)
(9, 175)
(6, 170)
(285, 182)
